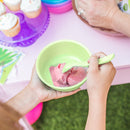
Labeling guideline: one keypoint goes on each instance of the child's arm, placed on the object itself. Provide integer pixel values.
(97, 113)
(98, 84)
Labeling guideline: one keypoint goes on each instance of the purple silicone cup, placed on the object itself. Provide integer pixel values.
(31, 29)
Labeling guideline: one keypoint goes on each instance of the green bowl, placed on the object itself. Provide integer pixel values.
(63, 51)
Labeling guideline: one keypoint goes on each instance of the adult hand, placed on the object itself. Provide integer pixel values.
(43, 92)
(34, 93)
(99, 77)
(98, 13)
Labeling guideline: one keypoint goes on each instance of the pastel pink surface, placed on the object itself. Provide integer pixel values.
(61, 9)
(69, 78)
(69, 26)
(34, 114)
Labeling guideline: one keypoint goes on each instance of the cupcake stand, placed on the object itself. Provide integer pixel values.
(31, 30)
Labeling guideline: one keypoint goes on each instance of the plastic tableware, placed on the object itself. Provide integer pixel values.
(102, 60)
(104, 31)
(60, 52)
(61, 9)
(31, 29)
(53, 1)
(34, 114)
(59, 4)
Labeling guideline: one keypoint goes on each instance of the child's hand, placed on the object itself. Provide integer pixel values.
(43, 92)
(99, 78)
(98, 13)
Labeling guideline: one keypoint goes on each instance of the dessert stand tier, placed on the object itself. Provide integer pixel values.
(31, 29)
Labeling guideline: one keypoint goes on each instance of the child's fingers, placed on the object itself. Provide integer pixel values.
(93, 63)
(100, 54)
(107, 66)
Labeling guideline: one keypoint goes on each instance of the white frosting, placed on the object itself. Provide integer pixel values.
(12, 2)
(2, 8)
(30, 5)
(7, 21)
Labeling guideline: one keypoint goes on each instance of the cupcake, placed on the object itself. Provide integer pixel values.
(2, 9)
(9, 24)
(13, 5)
(31, 8)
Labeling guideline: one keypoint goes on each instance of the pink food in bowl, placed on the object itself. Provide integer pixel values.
(69, 78)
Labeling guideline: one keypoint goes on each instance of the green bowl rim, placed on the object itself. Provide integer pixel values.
(70, 88)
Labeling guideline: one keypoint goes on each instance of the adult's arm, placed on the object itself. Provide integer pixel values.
(120, 23)
(105, 14)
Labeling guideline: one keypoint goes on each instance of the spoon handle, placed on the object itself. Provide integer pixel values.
(106, 59)
(102, 60)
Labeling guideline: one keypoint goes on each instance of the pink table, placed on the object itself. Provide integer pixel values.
(69, 26)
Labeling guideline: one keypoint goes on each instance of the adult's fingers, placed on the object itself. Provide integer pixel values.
(65, 94)
(81, 3)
